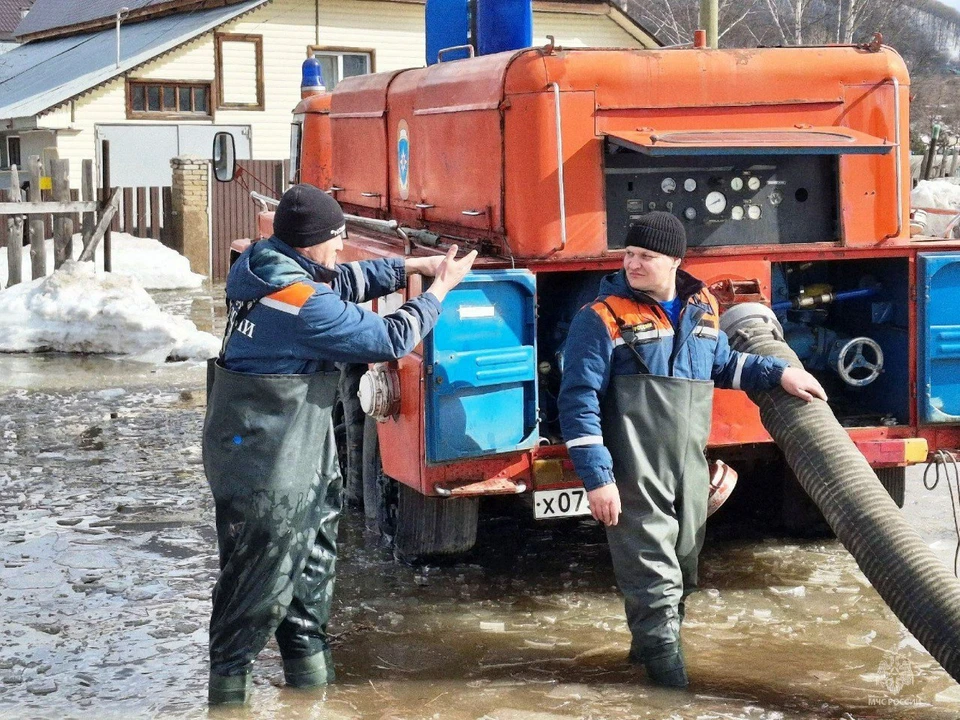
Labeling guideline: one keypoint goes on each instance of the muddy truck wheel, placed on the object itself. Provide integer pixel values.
(348, 423)
(418, 528)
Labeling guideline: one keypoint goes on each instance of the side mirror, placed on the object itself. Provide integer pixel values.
(224, 157)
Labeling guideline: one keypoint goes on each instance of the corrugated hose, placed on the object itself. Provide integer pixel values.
(906, 573)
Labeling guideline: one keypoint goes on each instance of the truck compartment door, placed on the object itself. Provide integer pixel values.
(939, 338)
(481, 389)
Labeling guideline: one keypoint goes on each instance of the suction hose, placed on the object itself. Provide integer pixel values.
(916, 585)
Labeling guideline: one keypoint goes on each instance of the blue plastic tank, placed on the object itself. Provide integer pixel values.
(448, 25)
(504, 25)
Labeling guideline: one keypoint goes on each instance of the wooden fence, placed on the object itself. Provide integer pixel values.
(145, 212)
(234, 213)
(27, 219)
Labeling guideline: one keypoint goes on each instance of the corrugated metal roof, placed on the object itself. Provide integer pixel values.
(49, 14)
(11, 13)
(39, 75)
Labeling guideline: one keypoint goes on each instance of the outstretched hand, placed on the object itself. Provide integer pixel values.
(802, 384)
(450, 271)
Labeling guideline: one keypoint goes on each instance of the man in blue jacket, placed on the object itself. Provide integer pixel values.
(639, 367)
(268, 447)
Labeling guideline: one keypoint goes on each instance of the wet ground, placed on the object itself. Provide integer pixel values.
(107, 559)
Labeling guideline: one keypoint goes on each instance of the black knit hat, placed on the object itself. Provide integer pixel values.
(659, 231)
(307, 216)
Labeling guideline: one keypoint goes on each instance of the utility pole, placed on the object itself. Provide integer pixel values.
(709, 21)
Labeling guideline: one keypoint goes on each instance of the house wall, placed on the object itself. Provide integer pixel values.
(393, 31)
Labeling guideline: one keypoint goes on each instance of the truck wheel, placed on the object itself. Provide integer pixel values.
(418, 527)
(894, 479)
(348, 423)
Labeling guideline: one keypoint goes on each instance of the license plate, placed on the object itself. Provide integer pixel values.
(560, 503)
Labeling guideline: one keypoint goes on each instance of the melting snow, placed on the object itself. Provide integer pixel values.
(79, 310)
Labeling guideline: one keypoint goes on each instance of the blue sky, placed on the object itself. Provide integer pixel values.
(955, 4)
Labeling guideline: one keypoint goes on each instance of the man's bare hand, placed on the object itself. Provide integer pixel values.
(451, 271)
(427, 266)
(802, 384)
(605, 504)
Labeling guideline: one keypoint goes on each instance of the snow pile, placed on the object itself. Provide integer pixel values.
(155, 266)
(77, 310)
(941, 194)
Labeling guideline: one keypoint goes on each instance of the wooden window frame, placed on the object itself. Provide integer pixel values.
(257, 40)
(348, 51)
(163, 114)
(6, 150)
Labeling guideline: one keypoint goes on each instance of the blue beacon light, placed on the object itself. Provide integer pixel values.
(311, 82)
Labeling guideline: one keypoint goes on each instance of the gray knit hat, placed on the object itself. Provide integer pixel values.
(659, 231)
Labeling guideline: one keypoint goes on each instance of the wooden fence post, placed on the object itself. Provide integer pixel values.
(62, 224)
(87, 194)
(106, 190)
(15, 233)
(38, 242)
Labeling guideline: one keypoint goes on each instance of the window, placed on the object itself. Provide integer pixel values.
(164, 99)
(239, 68)
(337, 64)
(13, 151)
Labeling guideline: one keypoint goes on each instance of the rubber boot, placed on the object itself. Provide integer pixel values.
(666, 666)
(313, 671)
(229, 689)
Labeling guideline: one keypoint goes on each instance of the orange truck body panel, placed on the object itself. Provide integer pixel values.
(483, 167)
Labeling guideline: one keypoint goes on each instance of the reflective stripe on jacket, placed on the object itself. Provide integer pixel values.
(596, 348)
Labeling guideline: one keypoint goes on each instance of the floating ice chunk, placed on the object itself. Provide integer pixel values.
(797, 592)
(490, 626)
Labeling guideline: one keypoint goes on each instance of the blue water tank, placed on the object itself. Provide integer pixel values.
(503, 25)
(448, 25)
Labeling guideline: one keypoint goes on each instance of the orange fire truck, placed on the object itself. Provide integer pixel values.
(787, 167)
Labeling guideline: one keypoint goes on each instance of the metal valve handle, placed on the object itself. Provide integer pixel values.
(851, 358)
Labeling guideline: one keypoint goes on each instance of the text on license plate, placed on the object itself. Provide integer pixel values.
(560, 503)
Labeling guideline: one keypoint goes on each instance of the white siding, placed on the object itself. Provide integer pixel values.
(570, 30)
(393, 31)
(239, 79)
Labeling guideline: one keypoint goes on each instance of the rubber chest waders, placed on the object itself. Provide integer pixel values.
(656, 429)
(270, 458)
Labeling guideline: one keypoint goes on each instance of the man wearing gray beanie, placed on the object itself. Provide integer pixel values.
(268, 447)
(639, 367)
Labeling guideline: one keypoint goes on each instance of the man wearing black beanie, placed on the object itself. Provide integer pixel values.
(639, 367)
(268, 447)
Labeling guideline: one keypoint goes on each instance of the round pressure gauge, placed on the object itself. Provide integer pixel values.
(753, 212)
(689, 184)
(736, 212)
(668, 185)
(690, 213)
(776, 197)
(753, 183)
(716, 202)
(736, 184)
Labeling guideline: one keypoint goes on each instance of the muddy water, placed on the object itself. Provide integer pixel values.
(107, 559)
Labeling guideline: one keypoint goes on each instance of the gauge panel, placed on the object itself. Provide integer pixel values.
(728, 199)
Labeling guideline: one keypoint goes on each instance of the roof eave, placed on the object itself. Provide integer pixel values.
(30, 108)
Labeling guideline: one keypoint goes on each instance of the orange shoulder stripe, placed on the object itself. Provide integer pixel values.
(633, 314)
(296, 294)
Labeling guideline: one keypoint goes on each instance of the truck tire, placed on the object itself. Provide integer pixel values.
(419, 528)
(894, 479)
(348, 423)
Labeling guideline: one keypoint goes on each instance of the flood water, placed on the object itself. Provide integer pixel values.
(108, 557)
